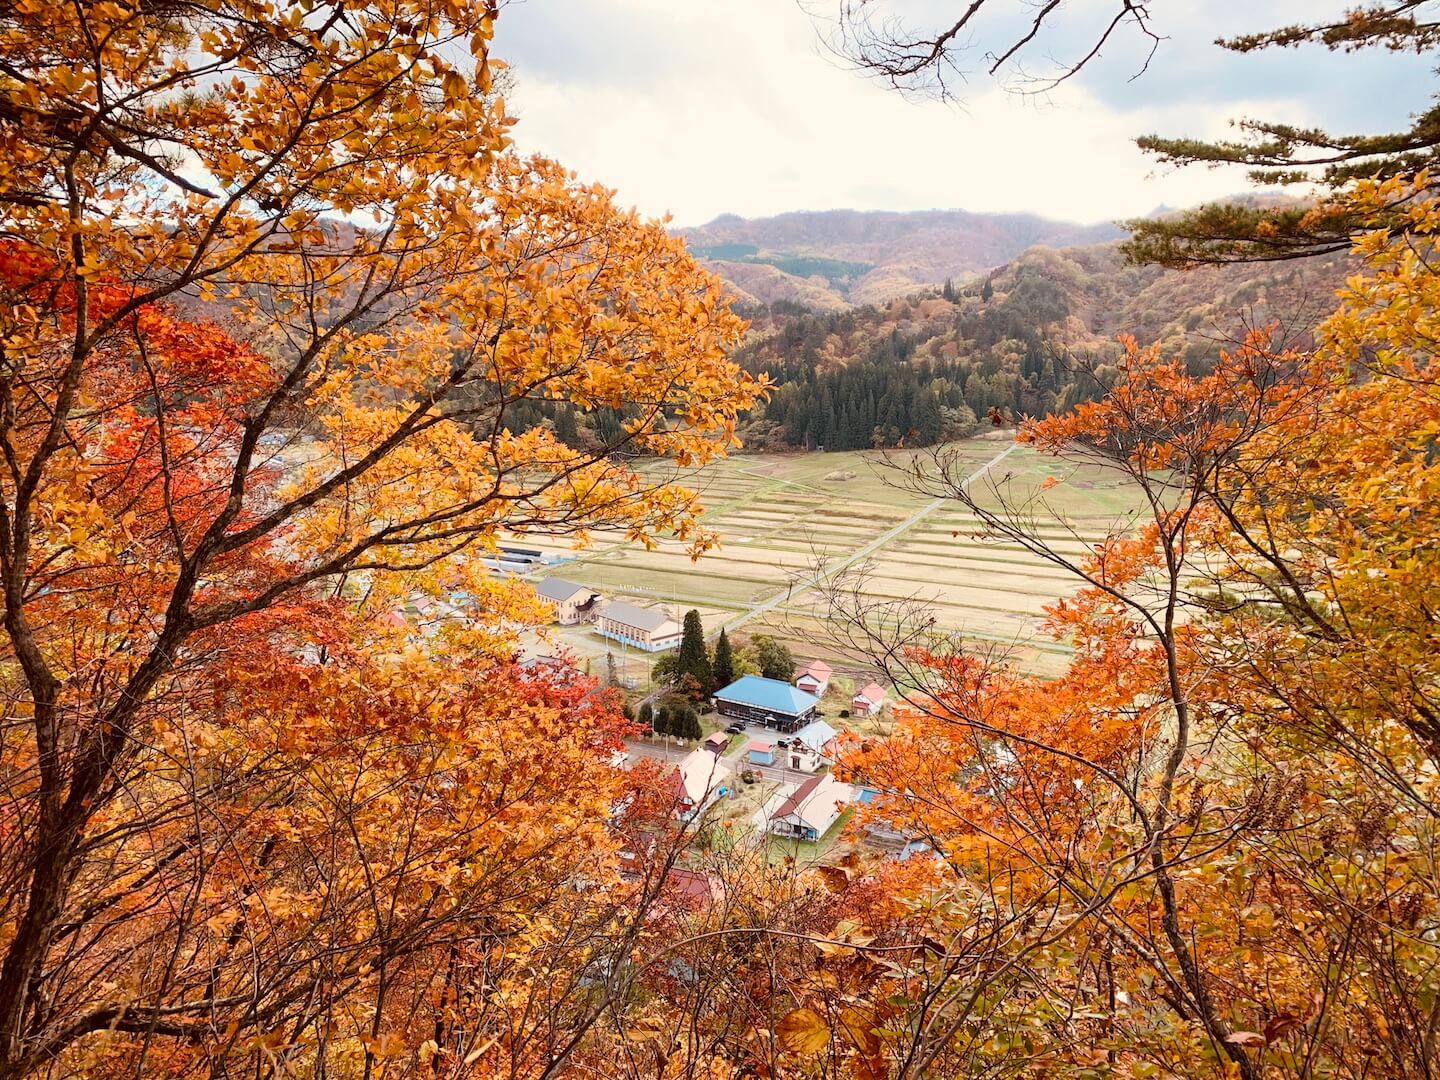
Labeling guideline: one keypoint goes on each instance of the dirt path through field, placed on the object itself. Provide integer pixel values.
(826, 572)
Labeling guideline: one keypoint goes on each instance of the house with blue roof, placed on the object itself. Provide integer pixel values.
(768, 702)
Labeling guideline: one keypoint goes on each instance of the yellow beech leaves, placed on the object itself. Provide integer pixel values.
(280, 312)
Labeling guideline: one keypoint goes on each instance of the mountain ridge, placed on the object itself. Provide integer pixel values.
(832, 259)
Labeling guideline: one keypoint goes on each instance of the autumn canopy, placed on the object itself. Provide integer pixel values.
(277, 303)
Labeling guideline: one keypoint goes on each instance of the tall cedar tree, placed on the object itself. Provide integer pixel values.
(694, 659)
(722, 666)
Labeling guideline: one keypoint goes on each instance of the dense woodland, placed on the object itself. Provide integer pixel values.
(1034, 338)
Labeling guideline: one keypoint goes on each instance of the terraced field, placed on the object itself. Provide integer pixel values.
(786, 521)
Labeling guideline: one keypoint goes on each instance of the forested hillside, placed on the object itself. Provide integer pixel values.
(924, 367)
(832, 259)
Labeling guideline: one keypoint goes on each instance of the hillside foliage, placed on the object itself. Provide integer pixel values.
(1032, 339)
(259, 819)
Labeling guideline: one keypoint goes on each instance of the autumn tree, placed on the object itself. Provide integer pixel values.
(272, 288)
(1205, 848)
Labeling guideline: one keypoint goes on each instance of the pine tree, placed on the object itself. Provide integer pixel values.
(694, 658)
(722, 667)
(565, 428)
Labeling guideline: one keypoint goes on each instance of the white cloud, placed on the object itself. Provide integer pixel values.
(703, 108)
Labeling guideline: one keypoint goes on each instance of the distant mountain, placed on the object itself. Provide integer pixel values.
(832, 259)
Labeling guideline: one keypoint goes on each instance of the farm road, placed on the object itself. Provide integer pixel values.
(827, 572)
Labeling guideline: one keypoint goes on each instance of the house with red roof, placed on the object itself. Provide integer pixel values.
(810, 809)
(868, 700)
(814, 677)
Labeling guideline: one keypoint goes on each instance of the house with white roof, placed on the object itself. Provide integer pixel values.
(700, 778)
(572, 603)
(809, 748)
(651, 629)
(808, 812)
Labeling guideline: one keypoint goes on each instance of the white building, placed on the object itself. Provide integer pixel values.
(650, 629)
(699, 779)
(814, 677)
(808, 811)
(573, 603)
(810, 748)
(868, 700)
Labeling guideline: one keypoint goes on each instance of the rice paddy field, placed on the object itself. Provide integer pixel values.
(786, 520)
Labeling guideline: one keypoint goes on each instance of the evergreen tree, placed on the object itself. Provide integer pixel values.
(722, 667)
(646, 714)
(694, 659)
(987, 290)
(565, 428)
(948, 292)
(665, 671)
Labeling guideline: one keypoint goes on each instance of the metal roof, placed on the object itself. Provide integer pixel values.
(873, 693)
(817, 802)
(558, 589)
(772, 695)
(631, 615)
(816, 734)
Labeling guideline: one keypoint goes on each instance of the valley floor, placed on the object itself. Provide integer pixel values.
(788, 524)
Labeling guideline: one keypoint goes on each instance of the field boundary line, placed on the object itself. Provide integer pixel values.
(827, 572)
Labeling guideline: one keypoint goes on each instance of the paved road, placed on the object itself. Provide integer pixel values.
(840, 566)
(660, 752)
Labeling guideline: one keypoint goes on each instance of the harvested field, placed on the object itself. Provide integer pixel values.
(780, 517)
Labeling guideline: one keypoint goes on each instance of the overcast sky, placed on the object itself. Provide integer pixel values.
(703, 107)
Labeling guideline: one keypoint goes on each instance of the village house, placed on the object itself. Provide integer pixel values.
(809, 748)
(716, 742)
(814, 677)
(768, 702)
(868, 700)
(691, 887)
(699, 779)
(572, 603)
(808, 811)
(650, 629)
